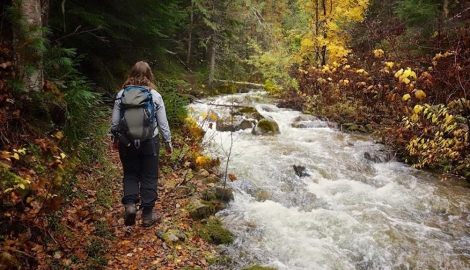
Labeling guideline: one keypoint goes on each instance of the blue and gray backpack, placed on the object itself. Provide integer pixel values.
(137, 114)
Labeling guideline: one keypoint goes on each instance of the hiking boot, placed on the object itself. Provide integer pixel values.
(129, 215)
(150, 219)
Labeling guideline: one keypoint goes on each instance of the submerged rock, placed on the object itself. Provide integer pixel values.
(308, 121)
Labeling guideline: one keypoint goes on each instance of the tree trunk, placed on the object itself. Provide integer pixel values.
(29, 54)
(212, 67)
(190, 38)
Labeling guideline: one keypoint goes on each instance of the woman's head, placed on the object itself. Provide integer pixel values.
(140, 74)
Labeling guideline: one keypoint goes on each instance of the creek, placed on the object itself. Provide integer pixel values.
(348, 213)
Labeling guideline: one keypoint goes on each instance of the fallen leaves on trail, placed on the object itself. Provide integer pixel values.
(142, 248)
(81, 232)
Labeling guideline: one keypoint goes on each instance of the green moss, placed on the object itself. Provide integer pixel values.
(9, 179)
(214, 232)
(210, 180)
(210, 196)
(212, 259)
(7, 176)
(267, 125)
(248, 110)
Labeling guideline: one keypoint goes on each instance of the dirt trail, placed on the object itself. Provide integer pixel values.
(141, 248)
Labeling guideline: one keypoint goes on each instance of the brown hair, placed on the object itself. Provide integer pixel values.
(141, 74)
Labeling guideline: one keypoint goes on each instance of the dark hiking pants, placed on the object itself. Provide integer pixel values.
(140, 173)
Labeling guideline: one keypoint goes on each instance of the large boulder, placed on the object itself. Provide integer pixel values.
(235, 123)
(248, 118)
(266, 126)
(249, 113)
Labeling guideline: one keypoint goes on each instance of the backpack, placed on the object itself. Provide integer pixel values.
(137, 120)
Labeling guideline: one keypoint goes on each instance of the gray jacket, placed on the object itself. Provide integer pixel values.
(160, 115)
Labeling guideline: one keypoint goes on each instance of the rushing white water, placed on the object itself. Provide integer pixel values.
(350, 213)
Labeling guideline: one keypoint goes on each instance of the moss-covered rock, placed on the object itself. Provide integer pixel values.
(224, 194)
(199, 209)
(214, 232)
(350, 127)
(171, 235)
(249, 112)
(266, 126)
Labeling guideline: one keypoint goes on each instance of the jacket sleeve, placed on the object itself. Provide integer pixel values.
(160, 115)
(116, 111)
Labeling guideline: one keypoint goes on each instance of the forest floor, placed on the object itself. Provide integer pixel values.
(137, 247)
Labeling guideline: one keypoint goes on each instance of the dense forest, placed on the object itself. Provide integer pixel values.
(398, 69)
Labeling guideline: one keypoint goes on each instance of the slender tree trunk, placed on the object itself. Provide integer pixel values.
(317, 29)
(443, 16)
(190, 38)
(29, 57)
(212, 61)
(45, 12)
(325, 22)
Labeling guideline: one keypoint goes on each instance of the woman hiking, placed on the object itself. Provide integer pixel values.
(140, 159)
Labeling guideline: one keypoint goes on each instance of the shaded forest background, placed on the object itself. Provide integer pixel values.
(399, 69)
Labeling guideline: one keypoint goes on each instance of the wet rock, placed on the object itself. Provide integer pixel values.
(224, 194)
(351, 127)
(377, 157)
(300, 171)
(308, 121)
(266, 127)
(214, 232)
(235, 123)
(249, 113)
(171, 235)
(199, 209)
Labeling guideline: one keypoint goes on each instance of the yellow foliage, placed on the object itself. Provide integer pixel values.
(20, 151)
(409, 73)
(390, 64)
(440, 139)
(419, 94)
(213, 116)
(202, 161)
(58, 135)
(438, 56)
(399, 73)
(405, 76)
(378, 53)
(417, 109)
(331, 34)
(406, 97)
(414, 118)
